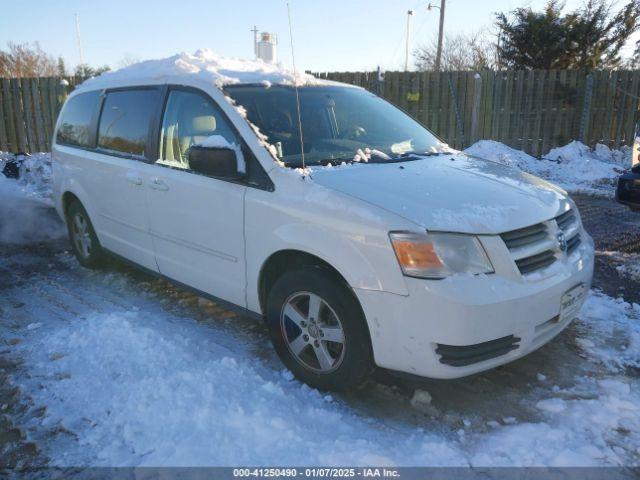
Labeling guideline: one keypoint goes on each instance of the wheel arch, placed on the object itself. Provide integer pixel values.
(281, 261)
(67, 198)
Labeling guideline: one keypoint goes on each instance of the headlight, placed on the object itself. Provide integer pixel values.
(439, 255)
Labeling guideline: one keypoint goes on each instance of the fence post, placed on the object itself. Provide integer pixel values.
(586, 109)
(475, 112)
(380, 82)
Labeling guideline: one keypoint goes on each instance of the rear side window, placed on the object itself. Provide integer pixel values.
(75, 120)
(125, 120)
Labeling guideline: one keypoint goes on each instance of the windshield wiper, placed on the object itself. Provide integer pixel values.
(375, 158)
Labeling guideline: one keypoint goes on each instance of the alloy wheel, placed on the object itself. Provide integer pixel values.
(313, 332)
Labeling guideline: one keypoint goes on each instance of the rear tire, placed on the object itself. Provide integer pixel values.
(84, 240)
(318, 330)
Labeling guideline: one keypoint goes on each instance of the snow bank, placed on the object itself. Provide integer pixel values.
(574, 167)
(25, 213)
(207, 66)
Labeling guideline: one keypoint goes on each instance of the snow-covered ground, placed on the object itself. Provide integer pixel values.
(121, 369)
(24, 201)
(134, 372)
(628, 264)
(575, 167)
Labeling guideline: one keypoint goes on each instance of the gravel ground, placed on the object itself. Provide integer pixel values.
(615, 229)
(388, 399)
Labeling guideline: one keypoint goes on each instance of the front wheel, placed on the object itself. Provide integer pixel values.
(318, 330)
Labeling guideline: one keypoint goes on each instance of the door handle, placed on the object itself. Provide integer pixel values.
(158, 184)
(134, 178)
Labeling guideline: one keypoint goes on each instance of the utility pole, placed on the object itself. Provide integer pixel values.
(406, 48)
(78, 39)
(440, 32)
(255, 40)
(440, 35)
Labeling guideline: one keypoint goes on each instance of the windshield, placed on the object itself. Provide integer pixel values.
(338, 124)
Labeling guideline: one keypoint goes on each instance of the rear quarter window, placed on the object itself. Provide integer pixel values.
(74, 126)
(125, 121)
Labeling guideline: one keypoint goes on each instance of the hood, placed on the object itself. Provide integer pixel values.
(454, 193)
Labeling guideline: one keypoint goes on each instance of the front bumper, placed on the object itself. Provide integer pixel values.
(408, 332)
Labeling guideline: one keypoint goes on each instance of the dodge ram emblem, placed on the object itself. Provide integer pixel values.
(562, 241)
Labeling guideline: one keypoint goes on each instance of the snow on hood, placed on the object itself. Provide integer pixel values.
(456, 193)
(207, 66)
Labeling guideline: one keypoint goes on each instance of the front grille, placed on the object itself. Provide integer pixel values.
(565, 220)
(536, 262)
(536, 247)
(525, 236)
(573, 243)
(531, 247)
(460, 356)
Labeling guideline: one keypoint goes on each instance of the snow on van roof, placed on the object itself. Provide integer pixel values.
(205, 66)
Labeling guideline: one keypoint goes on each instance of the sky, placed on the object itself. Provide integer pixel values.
(329, 35)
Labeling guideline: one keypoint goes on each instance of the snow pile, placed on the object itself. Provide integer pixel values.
(607, 323)
(208, 67)
(25, 213)
(574, 167)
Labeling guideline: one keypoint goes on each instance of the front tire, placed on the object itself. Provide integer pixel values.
(318, 330)
(84, 240)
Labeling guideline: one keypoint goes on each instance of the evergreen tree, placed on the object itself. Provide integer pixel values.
(590, 37)
(598, 36)
(62, 68)
(533, 40)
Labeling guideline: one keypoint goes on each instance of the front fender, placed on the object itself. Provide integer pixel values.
(341, 234)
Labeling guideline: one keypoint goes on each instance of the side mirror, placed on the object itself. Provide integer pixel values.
(217, 162)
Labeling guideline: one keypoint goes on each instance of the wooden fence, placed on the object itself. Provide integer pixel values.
(29, 108)
(529, 110)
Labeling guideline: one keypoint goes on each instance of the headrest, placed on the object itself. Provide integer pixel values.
(203, 124)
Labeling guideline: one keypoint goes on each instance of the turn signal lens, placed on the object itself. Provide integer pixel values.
(416, 255)
(439, 255)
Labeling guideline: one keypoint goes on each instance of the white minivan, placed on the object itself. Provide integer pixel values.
(357, 235)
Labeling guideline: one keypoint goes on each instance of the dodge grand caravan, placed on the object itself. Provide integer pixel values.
(357, 235)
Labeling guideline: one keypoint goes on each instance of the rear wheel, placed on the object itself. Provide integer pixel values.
(318, 329)
(84, 240)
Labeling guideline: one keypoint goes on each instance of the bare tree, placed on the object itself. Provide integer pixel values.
(26, 60)
(472, 51)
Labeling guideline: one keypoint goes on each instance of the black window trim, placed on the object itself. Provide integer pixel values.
(150, 149)
(256, 176)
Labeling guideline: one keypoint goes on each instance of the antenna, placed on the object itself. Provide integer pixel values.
(78, 39)
(295, 84)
